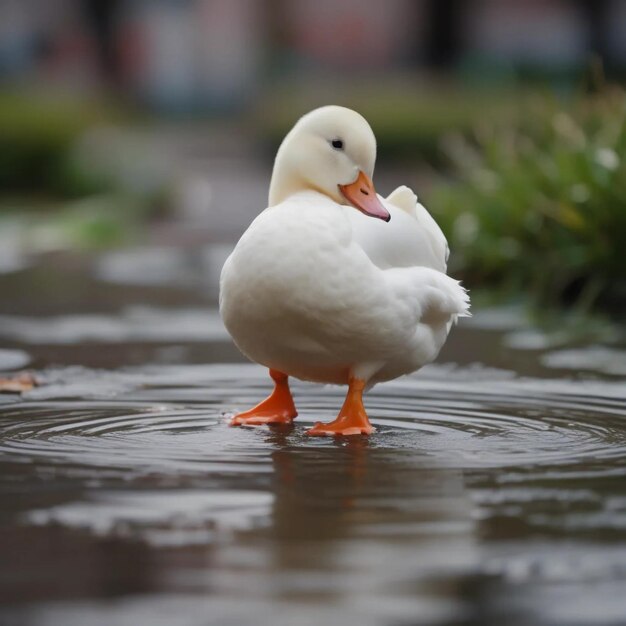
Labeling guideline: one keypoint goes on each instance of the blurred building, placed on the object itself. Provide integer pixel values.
(186, 54)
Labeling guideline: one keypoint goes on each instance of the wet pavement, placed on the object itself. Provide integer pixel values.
(494, 491)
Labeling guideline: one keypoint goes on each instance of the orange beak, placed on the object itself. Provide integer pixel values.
(362, 195)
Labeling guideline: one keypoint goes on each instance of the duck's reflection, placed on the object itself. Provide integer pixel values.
(316, 489)
(352, 504)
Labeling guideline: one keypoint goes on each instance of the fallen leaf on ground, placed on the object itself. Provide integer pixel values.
(17, 383)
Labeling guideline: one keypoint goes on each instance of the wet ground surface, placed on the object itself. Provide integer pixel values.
(493, 492)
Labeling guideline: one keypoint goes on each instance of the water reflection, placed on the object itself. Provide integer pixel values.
(483, 498)
(352, 524)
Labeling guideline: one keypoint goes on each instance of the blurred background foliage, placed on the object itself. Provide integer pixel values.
(37, 135)
(122, 118)
(410, 120)
(537, 201)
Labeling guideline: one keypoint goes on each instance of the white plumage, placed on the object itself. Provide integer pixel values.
(320, 291)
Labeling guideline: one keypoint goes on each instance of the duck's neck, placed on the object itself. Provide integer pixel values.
(283, 185)
(286, 183)
(286, 179)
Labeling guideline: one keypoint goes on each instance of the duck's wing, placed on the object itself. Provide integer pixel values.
(413, 252)
(405, 198)
(412, 237)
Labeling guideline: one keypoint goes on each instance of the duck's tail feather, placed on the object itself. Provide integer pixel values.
(451, 302)
(440, 298)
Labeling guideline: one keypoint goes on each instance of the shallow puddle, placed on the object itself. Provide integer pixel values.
(481, 496)
(492, 493)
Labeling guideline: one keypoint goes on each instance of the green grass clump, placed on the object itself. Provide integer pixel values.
(37, 134)
(539, 204)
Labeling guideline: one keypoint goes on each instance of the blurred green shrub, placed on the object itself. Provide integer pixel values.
(36, 138)
(539, 203)
(54, 195)
(92, 222)
(408, 118)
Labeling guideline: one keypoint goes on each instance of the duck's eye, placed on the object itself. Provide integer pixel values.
(337, 144)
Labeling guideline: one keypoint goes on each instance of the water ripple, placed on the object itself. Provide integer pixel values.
(164, 421)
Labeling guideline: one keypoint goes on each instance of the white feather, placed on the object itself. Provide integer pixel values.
(322, 292)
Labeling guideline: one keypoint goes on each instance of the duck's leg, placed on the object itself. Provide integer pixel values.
(352, 419)
(277, 408)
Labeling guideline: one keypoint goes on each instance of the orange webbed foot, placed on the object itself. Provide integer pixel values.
(254, 418)
(352, 419)
(278, 408)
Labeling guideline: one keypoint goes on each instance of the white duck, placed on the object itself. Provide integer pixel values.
(318, 290)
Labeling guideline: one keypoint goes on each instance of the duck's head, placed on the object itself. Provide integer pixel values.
(331, 150)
